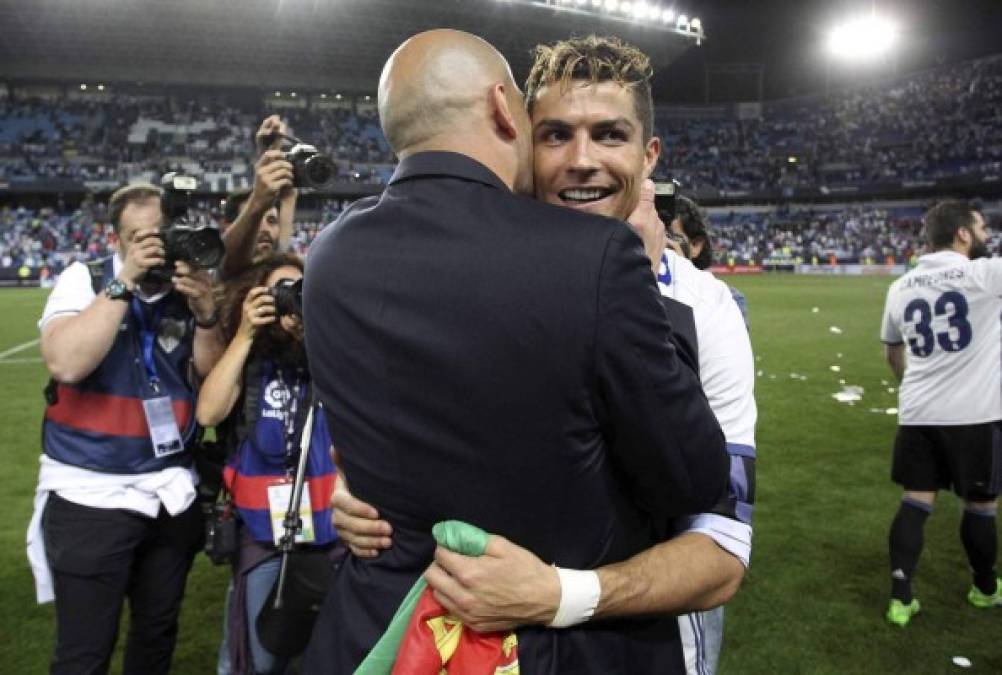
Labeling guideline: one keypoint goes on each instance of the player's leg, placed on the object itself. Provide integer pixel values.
(915, 469)
(978, 532)
(975, 464)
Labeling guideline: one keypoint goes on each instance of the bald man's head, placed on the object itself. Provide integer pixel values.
(437, 83)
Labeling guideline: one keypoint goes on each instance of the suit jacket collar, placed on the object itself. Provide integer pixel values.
(429, 164)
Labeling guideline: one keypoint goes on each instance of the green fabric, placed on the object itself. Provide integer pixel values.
(454, 535)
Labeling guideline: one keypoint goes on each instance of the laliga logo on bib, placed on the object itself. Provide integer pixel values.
(170, 333)
(276, 395)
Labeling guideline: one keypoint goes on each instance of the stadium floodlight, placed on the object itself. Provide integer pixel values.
(278, 94)
(597, 3)
(626, 7)
(293, 94)
(668, 16)
(579, 3)
(682, 23)
(611, 5)
(323, 95)
(337, 96)
(696, 24)
(83, 87)
(862, 38)
(100, 87)
(640, 10)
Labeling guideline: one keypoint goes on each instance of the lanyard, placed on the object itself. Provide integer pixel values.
(290, 415)
(148, 333)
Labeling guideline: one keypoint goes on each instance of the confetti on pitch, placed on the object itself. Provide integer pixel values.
(839, 355)
(877, 410)
(841, 381)
(815, 310)
(835, 369)
(849, 394)
(759, 373)
(884, 382)
(891, 390)
(835, 329)
(772, 377)
(891, 411)
(962, 662)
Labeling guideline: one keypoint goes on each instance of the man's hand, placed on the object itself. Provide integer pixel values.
(258, 310)
(269, 134)
(645, 222)
(358, 524)
(196, 285)
(144, 253)
(272, 174)
(504, 588)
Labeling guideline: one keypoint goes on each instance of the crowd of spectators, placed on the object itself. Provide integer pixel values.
(925, 126)
(931, 125)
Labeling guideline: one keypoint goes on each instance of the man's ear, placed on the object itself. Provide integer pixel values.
(500, 112)
(651, 153)
(965, 235)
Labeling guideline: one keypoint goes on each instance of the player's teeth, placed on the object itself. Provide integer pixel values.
(583, 194)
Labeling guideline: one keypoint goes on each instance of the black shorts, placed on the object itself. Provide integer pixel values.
(966, 458)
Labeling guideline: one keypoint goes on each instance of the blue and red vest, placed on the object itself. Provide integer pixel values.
(99, 423)
(261, 458)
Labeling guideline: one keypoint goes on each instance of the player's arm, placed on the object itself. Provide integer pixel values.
(75, 341)
(891, 335)
(895, 355)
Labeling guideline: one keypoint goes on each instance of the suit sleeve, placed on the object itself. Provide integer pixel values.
(664, 437)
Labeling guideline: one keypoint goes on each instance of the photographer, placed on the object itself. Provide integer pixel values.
(262, 384)
(115, 513)
(260, 223)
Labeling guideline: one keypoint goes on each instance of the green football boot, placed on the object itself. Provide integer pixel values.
(899, 614)
(983, 601)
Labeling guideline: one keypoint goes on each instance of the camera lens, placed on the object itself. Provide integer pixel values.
(204, 248)
(320, 171)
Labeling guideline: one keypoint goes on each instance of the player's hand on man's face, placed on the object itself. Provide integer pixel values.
(648, 225)
(504, 588)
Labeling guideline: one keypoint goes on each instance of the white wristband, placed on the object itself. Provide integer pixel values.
(580, 591)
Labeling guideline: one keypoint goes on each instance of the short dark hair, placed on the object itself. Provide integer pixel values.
(129, 194)
(234, 203)
(694, 225)
(595, 59)
(944, 220)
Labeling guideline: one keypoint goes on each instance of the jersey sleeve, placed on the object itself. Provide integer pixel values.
(987, 273)
(890, 331)
(71, 295)
(728, 376)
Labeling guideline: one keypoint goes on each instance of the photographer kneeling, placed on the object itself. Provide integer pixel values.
(262, 381)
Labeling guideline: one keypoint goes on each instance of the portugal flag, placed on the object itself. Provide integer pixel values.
(423, 639)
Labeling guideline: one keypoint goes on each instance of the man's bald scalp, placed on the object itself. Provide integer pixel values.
(433, 82)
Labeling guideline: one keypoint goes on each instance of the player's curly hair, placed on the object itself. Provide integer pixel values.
(595, 59)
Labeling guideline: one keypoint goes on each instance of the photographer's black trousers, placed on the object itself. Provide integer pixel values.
(98, 558)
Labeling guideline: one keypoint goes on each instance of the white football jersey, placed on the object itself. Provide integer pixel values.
(946, 313)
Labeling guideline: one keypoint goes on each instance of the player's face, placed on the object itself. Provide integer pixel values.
(589, 148)
(979, 243)
(267, 234)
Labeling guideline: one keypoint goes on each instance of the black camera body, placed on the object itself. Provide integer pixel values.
(310, 168)
(190, 242)
(288, 296)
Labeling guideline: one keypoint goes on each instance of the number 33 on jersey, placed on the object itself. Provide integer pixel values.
(947, 312)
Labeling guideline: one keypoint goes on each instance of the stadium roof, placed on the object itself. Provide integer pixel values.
(306, 44)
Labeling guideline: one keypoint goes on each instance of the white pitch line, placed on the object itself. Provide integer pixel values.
(19, 348)
(4, 362)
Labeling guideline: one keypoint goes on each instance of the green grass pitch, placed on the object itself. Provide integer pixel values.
(814, 598)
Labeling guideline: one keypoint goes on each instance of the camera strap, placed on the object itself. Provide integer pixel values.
(147, 336)
(159, 409)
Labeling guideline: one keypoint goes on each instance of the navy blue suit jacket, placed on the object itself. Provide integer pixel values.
(492, 359)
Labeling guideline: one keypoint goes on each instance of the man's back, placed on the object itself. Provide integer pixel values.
(477, 352)
(946, 312)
